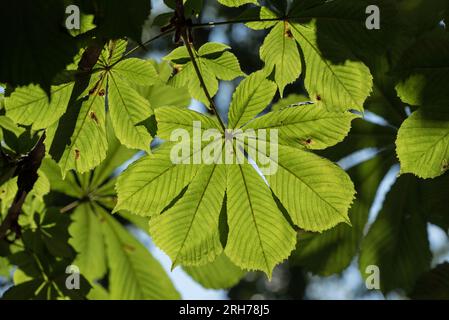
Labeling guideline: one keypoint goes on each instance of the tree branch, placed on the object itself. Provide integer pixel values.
(26, 178)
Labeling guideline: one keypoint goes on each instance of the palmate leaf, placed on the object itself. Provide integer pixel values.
(213, 62)
(423, 142)
(175, 193)
(397, 242)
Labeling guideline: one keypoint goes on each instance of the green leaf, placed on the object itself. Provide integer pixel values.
(212, 47)
(225, 67)
(88, 143)
(67, 186)
(128, 110)
(8, 191)
(165, 95)
(180, 53)
(264, 14)
(134, 273)
(137, 71)
(219, 274)
(333, 250)
(279, 51)
(259, 235)
(7, 124)
(236, 3)
(159, 187)
(187, 77)
(163, 181)
(117, 155)
(397, 242)
(188, 232)
(87, 240)
(170, 119)
(250, 98)
(422, 143)
(316, 193)
(30, 105)
(112, 53)
(306, 126)
(98, 293)
(337, 87)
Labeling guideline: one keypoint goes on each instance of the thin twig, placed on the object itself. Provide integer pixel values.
(160, 35)
(220, 23)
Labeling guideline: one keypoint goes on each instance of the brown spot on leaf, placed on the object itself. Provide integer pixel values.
(318, 97)
(287, 31)
(177, 68)
(307, 142)
(445, 166)
(77, 154)
(128, 247)
(93, 116)
(101, 93)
